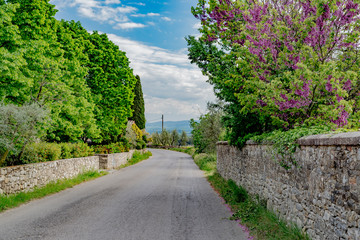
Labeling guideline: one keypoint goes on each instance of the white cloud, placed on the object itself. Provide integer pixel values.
(155, 107)
(146, 15)
(112, 2)
(129, 25)
(153, 14)
(103, 11)
(166, 19)
(112, 12)
(171, 85)
(139, 3)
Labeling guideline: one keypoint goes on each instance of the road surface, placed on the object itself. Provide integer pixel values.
(163, 198)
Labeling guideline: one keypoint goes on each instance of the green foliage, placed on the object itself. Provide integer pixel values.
(12, 61)
(83, 79)
(51, 82)
(118, 147)
(76, 150)
(135, 136)
(138, 106)
(174, 138)
(221, 70)
(238, 194)
(285, 142)
(18, 127)
(279, 74)
(166, 138)
(189, 150)
(137, 131)
(183, 139)
(156, 141)
(207, 131)
(206, 162)
(140, 144)
(111, 82)
(14, 200)
(43, 152)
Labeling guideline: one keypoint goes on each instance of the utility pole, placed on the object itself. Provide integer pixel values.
(162, 121)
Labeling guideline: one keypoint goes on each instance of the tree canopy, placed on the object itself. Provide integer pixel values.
(280, 64)
(82, 78)
(138, 106)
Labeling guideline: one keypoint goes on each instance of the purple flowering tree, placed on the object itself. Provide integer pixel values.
(298, 60)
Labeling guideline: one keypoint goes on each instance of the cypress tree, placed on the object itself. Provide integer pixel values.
(138, 106)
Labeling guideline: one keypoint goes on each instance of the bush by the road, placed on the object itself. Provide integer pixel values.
(43, 151)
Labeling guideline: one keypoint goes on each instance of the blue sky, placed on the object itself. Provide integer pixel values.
(152, 34)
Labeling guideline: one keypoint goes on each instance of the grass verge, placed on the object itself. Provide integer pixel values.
(251, 211)
(137, 157)
(14, 200)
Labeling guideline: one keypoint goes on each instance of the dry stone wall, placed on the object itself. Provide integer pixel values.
(321, 195)
(26, 177)
(115, 160)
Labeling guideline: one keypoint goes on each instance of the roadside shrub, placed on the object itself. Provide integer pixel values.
(111, 148)
(65, 150)
(137, 131)
(140, 145)
(80, 150)
(206, 162)
(41, 152)
(144, 138)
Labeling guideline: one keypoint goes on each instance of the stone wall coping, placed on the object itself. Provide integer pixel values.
(39, 163)
(332, 139)
(222, 143)
(248, 142)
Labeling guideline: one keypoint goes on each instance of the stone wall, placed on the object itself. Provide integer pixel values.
(25, 177)
(113, 161)
(321, 195)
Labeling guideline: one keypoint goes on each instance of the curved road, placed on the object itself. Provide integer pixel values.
(165, 197)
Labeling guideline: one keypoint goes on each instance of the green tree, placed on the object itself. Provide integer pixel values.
(55, 77)
(207, 131)
(78, 110)
(165, 138)
(183, 139)
(220, 67)
(130, 134)
(12, 61)
(294, 63)
(83, 79)
(156, 138)
(111, 81)
(18, 127)
(138, 106)
(174, 138)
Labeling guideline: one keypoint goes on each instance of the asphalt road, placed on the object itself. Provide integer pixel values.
(163, 198)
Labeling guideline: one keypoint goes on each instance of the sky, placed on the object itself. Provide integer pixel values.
(152, 33)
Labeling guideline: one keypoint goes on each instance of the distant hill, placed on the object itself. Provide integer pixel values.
(169, 125)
